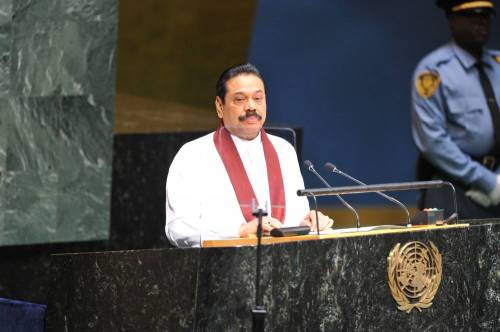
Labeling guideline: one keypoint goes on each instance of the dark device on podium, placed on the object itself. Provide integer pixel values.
(428, 217)
(290, 231)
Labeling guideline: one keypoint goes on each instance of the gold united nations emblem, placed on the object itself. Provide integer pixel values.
(414, 273)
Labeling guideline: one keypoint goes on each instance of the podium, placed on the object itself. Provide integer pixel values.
(335, 282)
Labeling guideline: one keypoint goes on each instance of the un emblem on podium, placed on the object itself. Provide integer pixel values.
(414, 273)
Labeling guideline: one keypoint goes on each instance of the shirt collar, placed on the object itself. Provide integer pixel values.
(468, 60)
(245, 142)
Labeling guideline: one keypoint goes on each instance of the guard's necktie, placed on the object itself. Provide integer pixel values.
(492, 105)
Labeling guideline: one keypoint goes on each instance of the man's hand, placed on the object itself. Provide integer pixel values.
(494, 195)
(479, 197)
(310, 220)
(486, 200)
(268, 223)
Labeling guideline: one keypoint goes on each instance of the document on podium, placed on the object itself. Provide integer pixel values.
(330, 234)
(361, 229)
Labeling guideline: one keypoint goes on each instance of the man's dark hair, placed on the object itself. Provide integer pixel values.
(244, 68)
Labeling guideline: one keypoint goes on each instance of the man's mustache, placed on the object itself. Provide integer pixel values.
(249, 114)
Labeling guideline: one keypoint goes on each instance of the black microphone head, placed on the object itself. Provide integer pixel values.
(331, 167)
(308, 164)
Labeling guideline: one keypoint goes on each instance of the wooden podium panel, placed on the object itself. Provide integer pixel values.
(363, 231)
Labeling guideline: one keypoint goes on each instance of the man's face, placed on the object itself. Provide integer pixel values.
(471, 30)
(243, 109)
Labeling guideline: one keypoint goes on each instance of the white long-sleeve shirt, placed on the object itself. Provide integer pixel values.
(201, 203)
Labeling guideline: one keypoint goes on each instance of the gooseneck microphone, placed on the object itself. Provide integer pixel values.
(310, 167)
(332, 168)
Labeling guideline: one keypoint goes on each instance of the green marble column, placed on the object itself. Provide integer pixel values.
(57, 90)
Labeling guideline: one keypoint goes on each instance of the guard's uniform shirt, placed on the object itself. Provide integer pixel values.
(451, 121)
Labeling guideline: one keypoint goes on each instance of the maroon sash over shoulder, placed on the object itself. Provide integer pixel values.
(239, 178)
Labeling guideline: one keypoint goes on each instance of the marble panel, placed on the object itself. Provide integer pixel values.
(4, 118)
(25, 269)
(217, 275)
(101, 59)
(4, 67)
(30, 207)
(155, 287)
(3, 154)
(314, 286)
(98, 23)
(85, 173)
(33, 135)
(52, 48)
(57, 72)
(341, 286)
(489, 278)
(5, 46)
(29, 181)
(91, 11)
(71, 139)
(5, 12)
(3, 237)
(328, 285)
(36, 27)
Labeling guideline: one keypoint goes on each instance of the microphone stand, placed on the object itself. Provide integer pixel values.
(259, 311)
(453, 216)
(317, 216)
(331, 167)
(310, 167)
(361, 189)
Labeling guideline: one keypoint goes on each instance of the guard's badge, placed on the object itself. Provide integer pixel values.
(414, 273)
(427, 83)
(497, 58)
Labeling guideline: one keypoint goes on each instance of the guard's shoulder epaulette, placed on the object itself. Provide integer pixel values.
(495, 54)
(437, 57)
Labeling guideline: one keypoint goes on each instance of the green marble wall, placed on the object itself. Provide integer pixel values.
(57, 91)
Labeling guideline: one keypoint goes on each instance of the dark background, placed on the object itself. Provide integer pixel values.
(342, 70)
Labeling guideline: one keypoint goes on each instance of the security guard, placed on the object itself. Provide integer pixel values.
(456, 115)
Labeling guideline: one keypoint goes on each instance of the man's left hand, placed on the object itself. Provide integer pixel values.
(494, 195)
(310, 220)
(479, 197)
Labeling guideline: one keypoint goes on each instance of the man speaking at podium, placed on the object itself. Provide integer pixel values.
(214, 181)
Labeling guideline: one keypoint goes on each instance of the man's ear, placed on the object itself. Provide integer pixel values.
(218, 106)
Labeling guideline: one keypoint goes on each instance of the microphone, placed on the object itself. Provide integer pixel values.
(332, 168)
(310, 167)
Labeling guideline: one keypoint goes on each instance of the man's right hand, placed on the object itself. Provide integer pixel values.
(268, 223)
(310, 220)
(483, 199)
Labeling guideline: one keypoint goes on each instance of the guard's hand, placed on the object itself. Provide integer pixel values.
(268, 223)
(310, 220)
(479, 197)
(494, 195)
